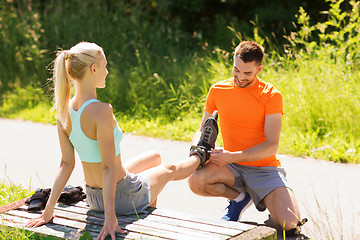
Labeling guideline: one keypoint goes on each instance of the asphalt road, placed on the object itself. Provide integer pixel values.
(328, 193)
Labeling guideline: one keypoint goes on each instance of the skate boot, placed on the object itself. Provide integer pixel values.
(207, 139)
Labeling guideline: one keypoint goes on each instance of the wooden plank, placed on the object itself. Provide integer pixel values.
(260, 232)
(204, 220)
(180, 230)
(173, 215)
(171, 224)
(166, 223)
(141, 229)
(13, 205)
(50, 230)
(193, 225)
(54, 230)
(72, 221)
(143, 225)
(195, 222)
(189, 217)
(61, 228)
(156, 227)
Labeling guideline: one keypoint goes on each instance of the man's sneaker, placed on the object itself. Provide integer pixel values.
(207, 139)
(235, 209)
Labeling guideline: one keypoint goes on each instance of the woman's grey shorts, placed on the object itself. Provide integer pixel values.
(258, 181)
(133, 190)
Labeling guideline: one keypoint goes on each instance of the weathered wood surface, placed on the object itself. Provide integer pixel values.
(71, 222)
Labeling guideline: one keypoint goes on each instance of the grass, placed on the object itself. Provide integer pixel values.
(10, 193)
(329, 223)
(319, 110)
(159, 75)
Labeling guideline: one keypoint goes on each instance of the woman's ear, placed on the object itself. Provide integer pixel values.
(93, 68)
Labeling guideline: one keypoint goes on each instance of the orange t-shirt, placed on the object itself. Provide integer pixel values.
(242, 115)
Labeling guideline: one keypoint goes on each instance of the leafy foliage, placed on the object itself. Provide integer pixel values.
(164, 55)
(322, 89)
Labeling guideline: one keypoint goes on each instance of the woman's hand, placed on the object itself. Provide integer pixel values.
(43, 219)
(110, 226)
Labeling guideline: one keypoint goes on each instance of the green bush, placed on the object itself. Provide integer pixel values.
(321, 90)
(160, 73)
(20, 45)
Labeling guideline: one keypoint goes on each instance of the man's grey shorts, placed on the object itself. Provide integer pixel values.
(258, 181)
(133, 190)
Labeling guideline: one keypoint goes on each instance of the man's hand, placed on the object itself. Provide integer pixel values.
(220, 157)
(110, 226)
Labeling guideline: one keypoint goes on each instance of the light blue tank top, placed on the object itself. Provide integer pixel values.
(87, 148)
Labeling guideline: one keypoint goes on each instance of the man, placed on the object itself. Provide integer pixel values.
(250, 114)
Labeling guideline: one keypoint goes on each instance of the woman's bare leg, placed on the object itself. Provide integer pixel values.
(161, 175)
(143, 162)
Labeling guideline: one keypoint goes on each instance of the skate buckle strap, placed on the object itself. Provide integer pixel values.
(201, 152)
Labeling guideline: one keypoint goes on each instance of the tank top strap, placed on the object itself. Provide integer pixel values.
(75, 115)
(85, 104)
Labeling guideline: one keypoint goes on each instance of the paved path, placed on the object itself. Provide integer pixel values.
(30, 154)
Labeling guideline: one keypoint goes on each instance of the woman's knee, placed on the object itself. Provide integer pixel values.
(155, 158)
(169, 167)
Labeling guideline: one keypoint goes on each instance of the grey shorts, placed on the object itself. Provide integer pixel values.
(258, 181)
(132, 191)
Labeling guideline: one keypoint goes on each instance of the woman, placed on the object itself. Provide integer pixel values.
(89, 126)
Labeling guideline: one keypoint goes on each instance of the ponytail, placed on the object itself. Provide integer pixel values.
(71, 64)
(62, 88)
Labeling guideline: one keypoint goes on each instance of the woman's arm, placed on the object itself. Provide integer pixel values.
(105, 136)
(67, 165)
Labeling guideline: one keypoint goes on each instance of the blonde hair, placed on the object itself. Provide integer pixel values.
(71, 65)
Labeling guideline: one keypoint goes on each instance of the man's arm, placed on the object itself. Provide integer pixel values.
(265, 149)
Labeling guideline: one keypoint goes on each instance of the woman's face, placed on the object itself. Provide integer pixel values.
(101, 72)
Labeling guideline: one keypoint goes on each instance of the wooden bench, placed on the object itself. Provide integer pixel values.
(72, 222)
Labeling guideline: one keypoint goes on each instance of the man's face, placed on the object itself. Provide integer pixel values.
(245, 73)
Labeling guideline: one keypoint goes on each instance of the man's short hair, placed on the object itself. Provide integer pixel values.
(249, 51)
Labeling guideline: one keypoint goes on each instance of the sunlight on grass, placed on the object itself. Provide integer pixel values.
(40, 113)
(182, 129)
(329, 223)
(317, 73)
(10, 193)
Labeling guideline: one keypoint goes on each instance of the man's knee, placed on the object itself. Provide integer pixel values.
(196, 182)
(288, 222)
(283, 208)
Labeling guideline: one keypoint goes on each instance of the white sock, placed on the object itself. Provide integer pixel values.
(240, 197)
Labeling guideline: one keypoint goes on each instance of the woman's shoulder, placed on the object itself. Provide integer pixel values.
(102, 107)
(100, 111)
